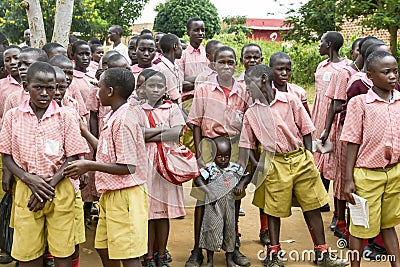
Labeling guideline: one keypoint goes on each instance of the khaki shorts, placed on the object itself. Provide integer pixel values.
(54, 225)
(122, 226)
(187, 136)
(79, 220)
(381, 188)
(208, 154)
(291, 174)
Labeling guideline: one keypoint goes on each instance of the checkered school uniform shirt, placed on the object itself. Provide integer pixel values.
(279, 127)
(41, 146)
(216, 115)
(373, 123)
(174, 78)
(121, 141)
(8, 86)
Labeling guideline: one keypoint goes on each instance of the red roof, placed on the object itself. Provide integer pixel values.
(267, 24)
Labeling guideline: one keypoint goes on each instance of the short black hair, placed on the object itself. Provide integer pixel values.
(260, 69)
(135, 37)
(146, 31)
(168, 41)
(122, 80)
(210, 44)
(373, 48)
(222, 49)
(50, 46)
(119, 29)
(249, 45)
(335, 38)
(58, 70)
(356, 43)
(72, 38)
(59, 59)
(190, 21)
(94, 40)
(146, 73)
(109, 54)
(40, 54)
(1, 60)
(11, 47)
(221, 140)
(367, 42)
(145, 37)
(374, 57)
(155, 73)
(39, 66)
(76, 44)
(94, 47)
(115, 58)
(274, 57)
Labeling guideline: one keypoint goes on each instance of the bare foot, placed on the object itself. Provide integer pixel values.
(230, 263)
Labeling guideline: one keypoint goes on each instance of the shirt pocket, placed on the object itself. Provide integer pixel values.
(52, 147)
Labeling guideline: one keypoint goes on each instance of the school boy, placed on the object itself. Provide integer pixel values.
(372, 171)
(209, 73)
(27, 57)
(292, 170)
(250, 55)
(330, 44)
(44, 200)
(159, 53)
(171, 50)
(121, 171)
(54, 49)
(114, 35)
(81, 55)
(145, 53)
(97, 52)
(132, 50)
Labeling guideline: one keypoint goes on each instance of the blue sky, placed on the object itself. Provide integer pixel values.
(258, 8)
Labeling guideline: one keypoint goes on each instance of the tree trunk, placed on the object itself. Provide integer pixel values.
(35, 20)
(62, 21)
(393, 39)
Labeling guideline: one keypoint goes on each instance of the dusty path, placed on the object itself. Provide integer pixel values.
(181, 238)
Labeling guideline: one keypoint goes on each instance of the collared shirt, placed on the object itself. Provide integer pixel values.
(8, 86)
(136, 70)
(193, 62)
(15, 99)
(79, 90)
(207, 76)
(279, 127)
(122, 49)
(296, 91)
(121, 141)
(214, 113)
(174, 77)
(93, 104)
(337, 88)
(41, 146)
(93, 67)
(373, 123)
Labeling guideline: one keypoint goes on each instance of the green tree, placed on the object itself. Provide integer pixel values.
(236, 24)
(312, 20)
(172, 16)
(90, 17)
(375, 14)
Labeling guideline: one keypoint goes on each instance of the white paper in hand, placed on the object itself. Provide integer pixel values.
(359, 212)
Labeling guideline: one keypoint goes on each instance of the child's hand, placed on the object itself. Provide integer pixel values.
(39, 186)
(238, 190)
(324, 136)
(349, 188)
(34, 204)
(76, 168)
(82, 125)
(201, 164)
(84, 180)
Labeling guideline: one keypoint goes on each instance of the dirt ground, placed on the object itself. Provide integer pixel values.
(181, 237)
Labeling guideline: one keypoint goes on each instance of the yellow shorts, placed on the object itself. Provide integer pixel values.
(122, 226)
(79, 220)
(291, 174)
(54, 225)
(381, 188)
(208, 154)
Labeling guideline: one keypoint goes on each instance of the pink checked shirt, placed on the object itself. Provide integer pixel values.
(136, 70)
(41, 146)
(15, 99)
(78, 85)
(279, 127)
(174, 76)
(8, 86)
(373, 123)
(337, 88)
(216, 115)
(208, 75)
(121, 141)
(93, 104)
